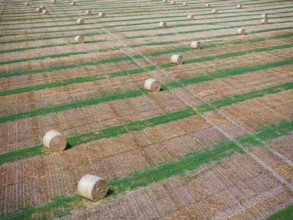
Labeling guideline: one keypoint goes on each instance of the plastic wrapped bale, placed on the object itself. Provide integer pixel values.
(101, 15)
(215, 11)
(80, 21)
(264, 16)
(79, 39)
(152, 85)
(54, 1)
(184, 3)
(165, 1)
(163, 24)
(195, 45)
(43, 7)
(173, 2)
(45, 12)
(72, 3)
(238, 6)
(177, 59)
(26, 4)
(208, 5)
(88, 12)
(264, 21)
(92, 187)
(190, 17)
(38, 10)
(54, 141)
(240, 31)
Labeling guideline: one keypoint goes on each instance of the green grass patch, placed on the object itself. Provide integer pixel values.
(284, 214)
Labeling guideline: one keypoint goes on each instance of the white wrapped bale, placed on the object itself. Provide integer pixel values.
(79, 39)
(264, 16)
(43, 7)
(195, 45)
(101, 15)
(152, 85)
(208, 5)
(92, 187)
(38, 10)
(165, 1)
(184, 3)
(26, 4)
(215, 11)
(54, 1)
(264, 21)
(177, 59)
(80, 21)
(88, 12)
(190, 17)
(240, 31)
(163, 24)
(173, 2)
(54, 141)
(238, 6)
(45, 12)
(72, 3)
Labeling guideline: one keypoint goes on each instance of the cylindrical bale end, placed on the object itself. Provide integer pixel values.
(215, 11)
(88, 12)
(45, 12)
(163, 24)
(264, 16)
(184, 3)
(79, 39)
(195, 45)
(26, 4)
(92, 187)
(173, 2)
(238, 6)
(208, 5)
(38, 10)
(152, 85)
(80, 21)
(101, 15)
(54, 141)
(240, 31)
(190, 17)
(264, 21)
(177, 59)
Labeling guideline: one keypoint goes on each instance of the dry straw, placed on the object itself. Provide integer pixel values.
(80, 21)
(195, 45)
(92, 187)
(54, 141)
(190, 17)
(163, 24)
(101, 15)
(240, 31)
(177, 59)
(88, 12)
(152, 85)
(79, 39)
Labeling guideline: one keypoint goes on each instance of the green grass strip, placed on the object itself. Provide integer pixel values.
(284, 214)
(148, 176)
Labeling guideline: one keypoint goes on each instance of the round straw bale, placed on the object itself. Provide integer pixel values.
(190, 17)
(38, 9)
(152, 85)
(54, 141)
(79, 39)
(177, 59)
(45, 12)
(208, 5)
(88, 12)
(26, 4)
(43, 7)
(264, 21)
(80, 21)
(184, 3)
(92, 187)
(163, 24)
(101, 15)
(173, 2)
(264, 16)
(240, 31)
(54, 1)
(195, 44)
(215, 11)
(165, 1)
(72, 3)
(238, 6)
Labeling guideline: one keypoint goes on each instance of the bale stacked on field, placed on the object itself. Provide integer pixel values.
(92, 187)
(215, 11)
(173, 2)
(177, 59)
(264, 16)
(163, 24)
(42, 7)
(38, 9)
(264, 21)
(195, 45)
(238, 6)
(152, 85)
(88, 12)
(240, 31)
(208, 5)
(184, 3)
(80, 21)
(79, 39)
(26, 4)
(45, 12)
(54, 141)
(54, 1)
(190, 17)
(72, 3)
(101, 15)
(165, 1)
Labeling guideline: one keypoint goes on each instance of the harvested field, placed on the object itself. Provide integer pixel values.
(214, 143)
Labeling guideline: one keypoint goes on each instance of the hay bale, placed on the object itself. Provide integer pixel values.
(190, 17)
(92, 187)
(184, 3)
(163, 24)
(177, 59)
(165, 1)
(208, 5)
(79, 39)
(88, 12)
(264, 21)
(54, 1)
(101, 15)
(264, 16)
(173, 2)
(26, 4)
(42, 7)
(240, 31)
(72, 3)
(195, 45)
(152, 85)
(215, 11)
(80, 21)
(45, 12)
(38, 10)
(238, 6)
(54, 141)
